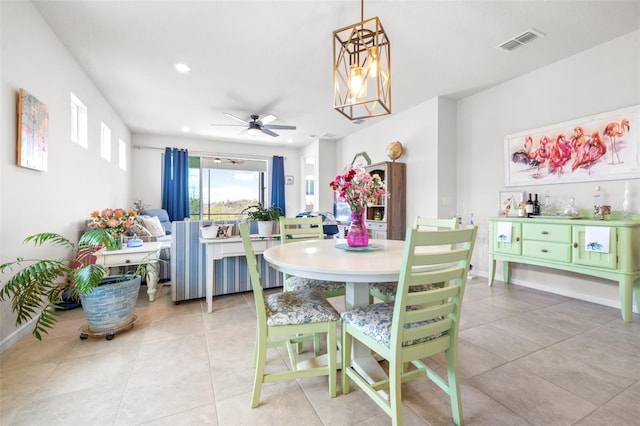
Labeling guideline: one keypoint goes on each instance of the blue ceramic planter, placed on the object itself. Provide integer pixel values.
(111, 305)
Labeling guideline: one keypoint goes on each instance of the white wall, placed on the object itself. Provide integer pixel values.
(324, 152)
(147, 163)
(600, 79)
(430, 178)
(77, 180)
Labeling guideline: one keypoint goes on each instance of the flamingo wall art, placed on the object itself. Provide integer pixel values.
(600, 147)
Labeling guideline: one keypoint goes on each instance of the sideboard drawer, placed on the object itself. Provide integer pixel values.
(557, 252)
(377, 225)
(236, 248)
(127, 259)
(546, 232)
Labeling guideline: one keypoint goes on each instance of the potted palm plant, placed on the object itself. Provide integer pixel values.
(38, 286)
(265, 216)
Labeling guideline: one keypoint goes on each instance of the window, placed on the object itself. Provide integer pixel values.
(122, 154)
(105, 141)
(78, 122)
(220, 188)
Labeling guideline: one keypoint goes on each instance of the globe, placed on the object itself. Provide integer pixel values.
(394, 150)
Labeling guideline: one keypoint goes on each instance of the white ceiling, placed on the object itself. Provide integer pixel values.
(275, 57)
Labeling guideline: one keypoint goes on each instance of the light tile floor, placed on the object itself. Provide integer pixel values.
(526, 358)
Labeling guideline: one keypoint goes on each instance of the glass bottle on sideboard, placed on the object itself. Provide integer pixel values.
(536, 206)
(529, 207)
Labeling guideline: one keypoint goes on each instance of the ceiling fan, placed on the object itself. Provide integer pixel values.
(256, 125)
(218, 160)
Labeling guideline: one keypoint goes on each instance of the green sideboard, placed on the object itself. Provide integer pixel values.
(560, 243)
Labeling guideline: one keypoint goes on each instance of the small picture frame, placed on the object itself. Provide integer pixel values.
(506, 199)
(225, 230)
(361, 158)
(288, 180)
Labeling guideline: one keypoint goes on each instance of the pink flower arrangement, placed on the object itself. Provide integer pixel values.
(357, 187)
(115, 221)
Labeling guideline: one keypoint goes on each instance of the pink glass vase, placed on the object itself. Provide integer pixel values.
(358, 235)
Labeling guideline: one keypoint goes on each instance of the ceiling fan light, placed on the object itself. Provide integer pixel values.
(254, 131)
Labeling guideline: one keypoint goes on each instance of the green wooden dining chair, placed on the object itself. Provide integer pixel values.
(418, 324)
(281, 317)
(300, 229)
(306, 228)
(386, 291)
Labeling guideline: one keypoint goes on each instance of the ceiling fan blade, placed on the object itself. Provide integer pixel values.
(269, 132)
(279, 126)
(235, 118)
(267, 119)
(232, 125)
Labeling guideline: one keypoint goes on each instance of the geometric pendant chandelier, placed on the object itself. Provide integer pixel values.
(362, 69)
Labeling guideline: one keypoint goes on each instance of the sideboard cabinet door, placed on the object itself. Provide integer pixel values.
(582, 256)
(514, 246)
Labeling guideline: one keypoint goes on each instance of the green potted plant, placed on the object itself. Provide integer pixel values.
(37, 288)
(265, 216)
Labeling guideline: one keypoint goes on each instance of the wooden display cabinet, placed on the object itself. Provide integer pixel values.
(387, 220)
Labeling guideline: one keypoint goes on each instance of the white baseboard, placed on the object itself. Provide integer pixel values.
(18, 334)
(604, 301)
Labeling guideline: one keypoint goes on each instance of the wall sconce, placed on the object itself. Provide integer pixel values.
(362, 69)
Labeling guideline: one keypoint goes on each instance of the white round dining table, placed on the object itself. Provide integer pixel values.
(325, 260)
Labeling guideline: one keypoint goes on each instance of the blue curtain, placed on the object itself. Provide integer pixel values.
(277, 183)
(175, 183)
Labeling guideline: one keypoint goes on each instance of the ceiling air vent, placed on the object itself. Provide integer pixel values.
(520, 40)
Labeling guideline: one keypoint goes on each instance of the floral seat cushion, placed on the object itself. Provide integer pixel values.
(299, 283)
(375, 321)
(299, 307)
(389, 289)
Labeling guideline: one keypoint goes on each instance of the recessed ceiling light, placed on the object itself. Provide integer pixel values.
(184, 68)
(185, 129)
(290, 140)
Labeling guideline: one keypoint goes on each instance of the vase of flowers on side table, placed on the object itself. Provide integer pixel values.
(115, 222)
(358, 188)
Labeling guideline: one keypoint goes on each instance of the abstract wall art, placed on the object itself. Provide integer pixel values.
(33, 129)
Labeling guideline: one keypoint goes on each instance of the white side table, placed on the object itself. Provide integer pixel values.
(147, 254)
(219, 248)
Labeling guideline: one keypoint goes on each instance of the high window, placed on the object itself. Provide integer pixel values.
(78, 122)
(220, 188)
(122, 154)
(105, 141)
